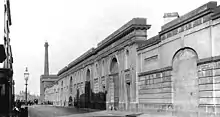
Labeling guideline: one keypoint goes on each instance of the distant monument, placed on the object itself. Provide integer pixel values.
(46, 80)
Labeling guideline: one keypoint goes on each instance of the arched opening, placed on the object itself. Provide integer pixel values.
(88, 75)
(126, 59)
(185, 81)
(96, 70)
(77, 99)
(103, 68)
(61, 94)
(114, 66)
(87, 89)
(114, 84)
(70, 101)
(71, 85)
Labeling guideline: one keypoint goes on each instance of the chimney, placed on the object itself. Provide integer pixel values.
(168, 17)
(46, 63)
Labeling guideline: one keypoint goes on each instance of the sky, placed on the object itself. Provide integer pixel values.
(71, 27)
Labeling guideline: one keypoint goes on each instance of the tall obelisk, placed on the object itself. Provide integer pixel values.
(46, 62)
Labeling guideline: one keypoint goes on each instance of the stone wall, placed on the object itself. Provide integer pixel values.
(155, 90)
(98, 62)
(209, 85)
(190, 85)
(151, 78)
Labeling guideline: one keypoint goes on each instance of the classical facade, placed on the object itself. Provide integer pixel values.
(177, 70)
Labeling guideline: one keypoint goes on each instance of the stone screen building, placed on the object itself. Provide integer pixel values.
(179, 69)
(110, 67)
(176, 70)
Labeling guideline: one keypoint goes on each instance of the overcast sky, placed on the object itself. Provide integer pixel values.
(71, 27)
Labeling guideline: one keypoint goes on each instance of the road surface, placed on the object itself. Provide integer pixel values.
(52, 111)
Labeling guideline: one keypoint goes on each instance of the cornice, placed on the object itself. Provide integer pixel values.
(122, 34)
(208, 60)
(108, 42)
(191, 16)
(148, 43)
(216, 13)
(136, 23)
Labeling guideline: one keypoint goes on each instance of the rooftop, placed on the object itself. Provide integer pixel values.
(111, 38)
(189, 16)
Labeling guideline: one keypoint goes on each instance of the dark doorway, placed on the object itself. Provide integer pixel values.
(70, 101)
(128, 85)
(115, 83)
(87, 90)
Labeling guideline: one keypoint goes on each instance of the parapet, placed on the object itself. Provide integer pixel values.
(134, 21)
(210, 6)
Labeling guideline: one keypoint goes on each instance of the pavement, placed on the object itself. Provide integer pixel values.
(57, 111)
(106, 114)
(52, 111)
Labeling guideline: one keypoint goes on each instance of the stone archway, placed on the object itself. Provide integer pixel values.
(88, 75)
(114, 84)
(185, 82)
(87, 90)
(70, 101)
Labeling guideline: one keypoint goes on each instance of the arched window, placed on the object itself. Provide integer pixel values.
(114, 66)
(126, 59)
(88, 75)
(77, 77)
(96, 69)
(74, 78)
(75, 86)
(62, 87)
(103, 68)
(81, 86)
(71, 84)
(82, 77)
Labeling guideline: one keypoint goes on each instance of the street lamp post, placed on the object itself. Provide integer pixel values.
(26, 76)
